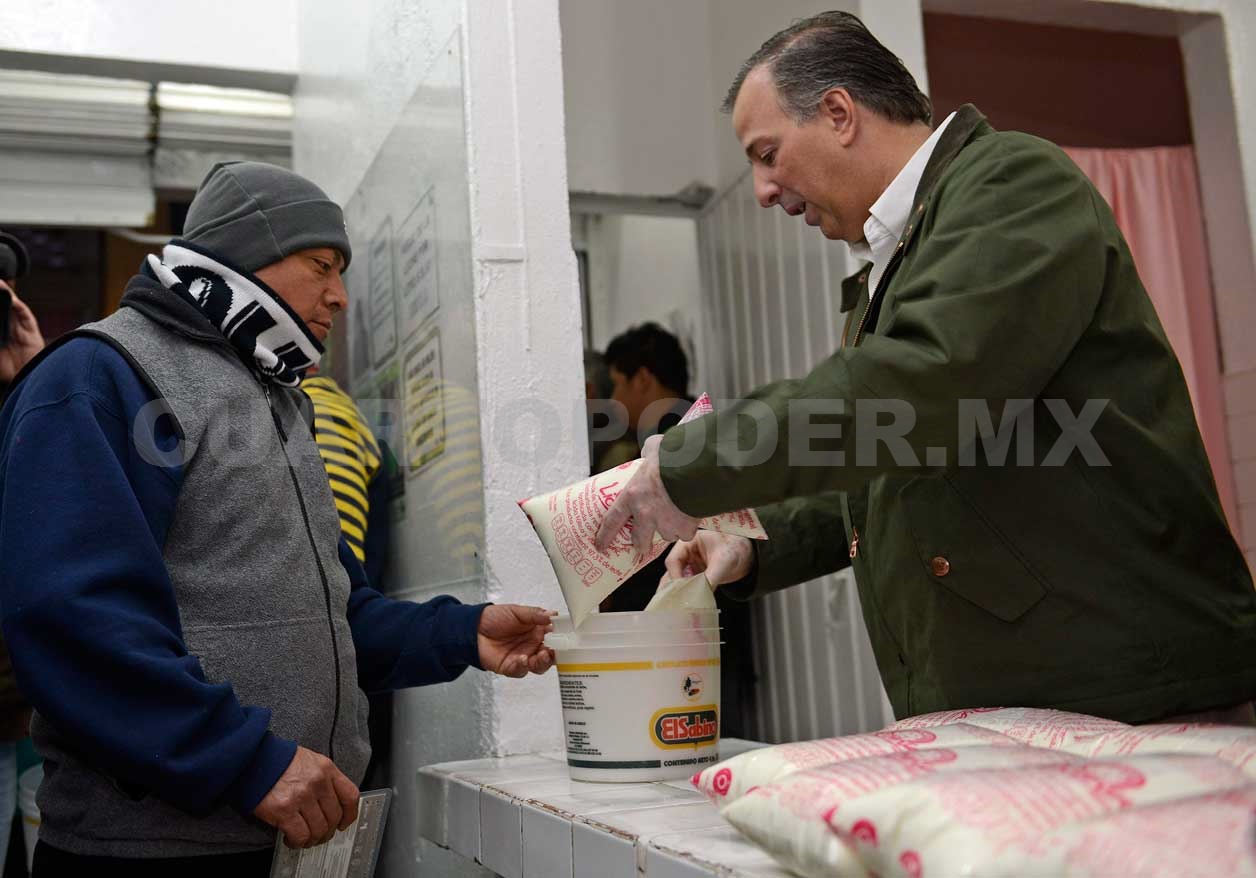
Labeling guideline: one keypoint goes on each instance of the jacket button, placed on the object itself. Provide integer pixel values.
(863, 278)
(940, 566)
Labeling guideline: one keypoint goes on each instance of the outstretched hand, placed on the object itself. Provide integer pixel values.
(511, 640)
(724, 558)
(644, 502)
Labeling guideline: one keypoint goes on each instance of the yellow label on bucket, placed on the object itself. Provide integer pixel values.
(598, 667)
(674, 727)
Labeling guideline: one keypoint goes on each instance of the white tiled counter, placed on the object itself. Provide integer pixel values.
(523, 817)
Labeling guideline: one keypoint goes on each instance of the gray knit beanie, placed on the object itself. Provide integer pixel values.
(253, 214)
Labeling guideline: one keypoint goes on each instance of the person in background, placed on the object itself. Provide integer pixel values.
(351, 457)
(609, 442)
(24, 341)
(650, 401)
(24, 337)
(650, 377)
(194, 633)
(1086, 567)
(597, 380)
(649, 373)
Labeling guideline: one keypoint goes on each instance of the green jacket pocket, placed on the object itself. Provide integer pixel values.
(962, 550)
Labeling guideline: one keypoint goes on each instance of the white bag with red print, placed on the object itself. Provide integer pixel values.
(997, 822)
(1035, 726)
(790, 818)
(1233, 744)
(729, 780)
(568, 519)
(1201, 837)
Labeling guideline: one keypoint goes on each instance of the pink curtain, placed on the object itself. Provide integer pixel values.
(1154, 194)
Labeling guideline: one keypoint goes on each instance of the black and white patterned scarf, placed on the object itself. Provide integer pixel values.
(252, 316)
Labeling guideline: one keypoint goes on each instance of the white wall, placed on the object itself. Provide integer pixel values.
(644, 268)
(1213, 85)
(357, 73)
(229, 42)
(639, 110)
(1214, 74)
(528, 325)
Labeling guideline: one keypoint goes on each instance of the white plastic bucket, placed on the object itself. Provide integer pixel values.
(655, 620)
(640, 713)
(27, 786)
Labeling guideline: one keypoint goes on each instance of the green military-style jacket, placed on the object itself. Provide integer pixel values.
(989, 578)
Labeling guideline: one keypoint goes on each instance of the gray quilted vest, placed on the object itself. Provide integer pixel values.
(252, 555)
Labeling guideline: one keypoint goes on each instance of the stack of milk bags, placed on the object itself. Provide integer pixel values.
(1018, 792)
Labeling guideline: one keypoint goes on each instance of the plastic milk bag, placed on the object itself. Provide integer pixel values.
(692, 593)
(993, 822)
(1035, 726)
(567, 520)
(792, 818)
(728, 781)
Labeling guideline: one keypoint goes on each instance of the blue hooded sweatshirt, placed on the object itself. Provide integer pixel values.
(81, 512)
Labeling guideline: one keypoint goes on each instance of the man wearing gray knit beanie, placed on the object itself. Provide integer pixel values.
(194, 633)
(262, 220)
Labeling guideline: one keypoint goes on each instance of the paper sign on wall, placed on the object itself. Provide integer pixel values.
(419, 295)
(383, 295)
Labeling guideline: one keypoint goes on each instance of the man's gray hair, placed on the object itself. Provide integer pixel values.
(835, 50)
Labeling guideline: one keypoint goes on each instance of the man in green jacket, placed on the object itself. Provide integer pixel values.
(1003, 448)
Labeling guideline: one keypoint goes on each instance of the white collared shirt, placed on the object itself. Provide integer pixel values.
(890, 213)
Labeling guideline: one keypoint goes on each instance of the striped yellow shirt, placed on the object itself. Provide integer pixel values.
(349, 453)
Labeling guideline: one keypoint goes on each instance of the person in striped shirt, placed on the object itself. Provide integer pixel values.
(350, 454)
